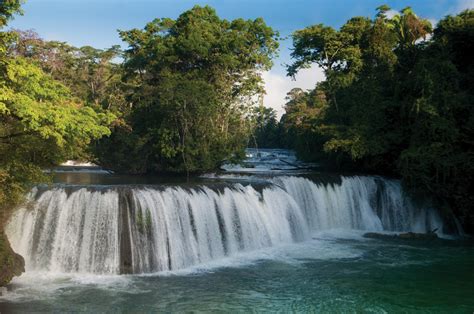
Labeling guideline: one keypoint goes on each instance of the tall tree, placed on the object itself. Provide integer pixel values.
(193, 82)
(41, 122)
(7, 9)
(397, 103)
(266, 131)
(91, 74)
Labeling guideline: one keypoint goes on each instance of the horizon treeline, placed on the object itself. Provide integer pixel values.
(186, 95)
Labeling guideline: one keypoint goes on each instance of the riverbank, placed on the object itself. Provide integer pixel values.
(11, 264)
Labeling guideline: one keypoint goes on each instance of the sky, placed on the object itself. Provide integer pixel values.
(95, 23)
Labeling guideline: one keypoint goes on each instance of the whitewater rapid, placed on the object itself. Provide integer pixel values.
(131, 229)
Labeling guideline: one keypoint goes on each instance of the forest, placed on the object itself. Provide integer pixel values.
(185, 95)
(397, 101)
(181, 98)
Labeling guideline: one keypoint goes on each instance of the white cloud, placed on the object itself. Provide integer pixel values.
(433, 22)
(278, 85)
(391, 13)
(462, 5)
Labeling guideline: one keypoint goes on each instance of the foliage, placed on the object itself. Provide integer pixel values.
(41, 123)
(7, 9)
(266, 130)
(302, 111)
(192, 84)
(396, 103)
(91, 74)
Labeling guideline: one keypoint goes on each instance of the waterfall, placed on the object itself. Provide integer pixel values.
(113, 230)
(364, 203)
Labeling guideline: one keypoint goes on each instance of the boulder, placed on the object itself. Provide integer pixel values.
(11, 264)
(422, 236)
(405, 236)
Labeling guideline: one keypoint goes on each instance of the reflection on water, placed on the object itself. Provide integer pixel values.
(104, 178)
(259, 162)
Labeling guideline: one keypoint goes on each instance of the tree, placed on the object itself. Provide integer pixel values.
(266, 131)
(397, 104)
(336, 52)
(41, 124)
(409, 28)
(192, 83)
(440, 156)
(91, 74)
(7, 9)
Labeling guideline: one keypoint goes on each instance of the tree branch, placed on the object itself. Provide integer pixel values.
(10, 136)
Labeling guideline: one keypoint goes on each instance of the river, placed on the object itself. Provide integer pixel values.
(271, 235)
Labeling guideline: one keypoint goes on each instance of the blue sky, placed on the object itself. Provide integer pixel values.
(95, 22)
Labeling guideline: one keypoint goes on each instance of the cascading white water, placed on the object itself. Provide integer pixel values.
(140, 230)
(176, 228)
(364, 203)
(74, 232)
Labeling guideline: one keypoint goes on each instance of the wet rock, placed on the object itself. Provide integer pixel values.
(413, 235)
(405, 236)
(11, 264)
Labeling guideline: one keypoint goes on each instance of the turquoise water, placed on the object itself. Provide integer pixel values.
(334, 272)
(337, 271)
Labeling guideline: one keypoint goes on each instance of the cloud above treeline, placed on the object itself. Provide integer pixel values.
(462, 5)
(278, 85)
